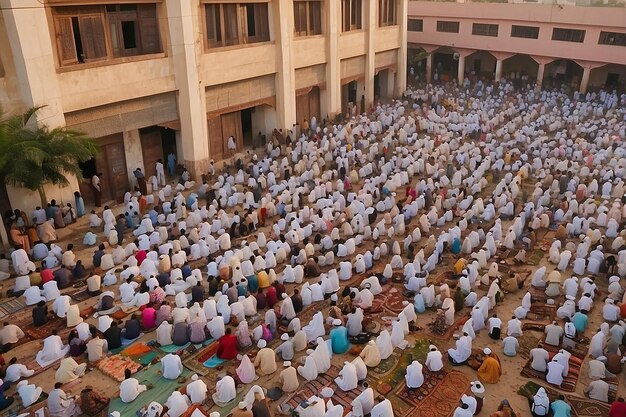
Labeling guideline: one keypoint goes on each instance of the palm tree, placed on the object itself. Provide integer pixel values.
(32, 156)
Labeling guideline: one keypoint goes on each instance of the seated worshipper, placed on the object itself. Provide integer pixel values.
(308, 370)
(15, 371)
(414, 375)
(180, 334)
(510, 346)
(77, 345)
(96, 347)
(148, 317)
(225, 391)
(553, 332)
(227, 348)
(556, 372)
(62, 405)
(92, 403)
(9, 336)
(40, 314)
(370, 354)
(177, 403)
(339, 338)
(362, 405)
(383, 408)
(130, 388)
(171, 366)
(5, 401)
(53, 349)
(463, 350)
(69, 370)
(164, 334)
(540, 403)
(288, 378)
(505, 410)
(490, 370)
(286, 348)
(560, 408)
(197, 390)
(265, 359)
(347, 379)
(29, 393)
(494, 327)
(598, 390)
(434, 361)
(539, 359)
(245, 371)
(113, 336)
(132, 328)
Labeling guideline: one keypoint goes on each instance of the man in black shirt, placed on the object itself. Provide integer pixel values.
(40, 314)
(132, 328)
(113, 336)
(197, 293)
(63, 277)
(296, 299)
(97, 256)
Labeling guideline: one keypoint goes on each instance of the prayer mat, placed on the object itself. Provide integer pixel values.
(213, 362)
(115, 366)
(119, 315)
(527, 342)
(535, 257)
(393, 369)
(82, 295)
(11, 306)
(41, 332)
(174, 348)
(162, 389)
(581, 407)
(311, 388)
(390, 299)
(140, 353)
(193, 363)
(569, 382)
(578, 350)
(438, 396)
(459, 322)
(87, 312)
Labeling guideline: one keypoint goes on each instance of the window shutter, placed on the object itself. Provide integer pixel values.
(92, 37)
(66, 48)
(148, 29)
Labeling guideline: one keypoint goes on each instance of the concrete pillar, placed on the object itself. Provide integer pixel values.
(134, 155)
(401, 72)
(498, 74)
(584, 82)
(183, 28)
(34, 60)
(370, 57)
(332, 11)
(540, 72)
(429, 67)
(286, 76)
(461, 69)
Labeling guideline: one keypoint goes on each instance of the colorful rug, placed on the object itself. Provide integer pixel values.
(579, 350)
(581, 407)
(527, 342)
(535, 257)
(115, 366)
(11, 306)
(162, 389)
(393, 369)
(311, 388)
(213, 362)
(459, 322)
(140, 353)
(195, 361)
(569, 382)
(174, 348)
(390, 299)
(438, 396)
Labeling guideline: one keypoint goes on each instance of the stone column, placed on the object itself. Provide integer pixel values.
(401, 72)
(461, 69)
(498, 74)
(285, 77)
(584, 82)
(332, 12)
(429, 67)
(370, 57)
(134, 155)
(540, 74)
(183, 28)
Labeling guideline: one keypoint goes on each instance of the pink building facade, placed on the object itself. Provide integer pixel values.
(546, 44)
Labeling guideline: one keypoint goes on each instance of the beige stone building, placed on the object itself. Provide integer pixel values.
(148, 78)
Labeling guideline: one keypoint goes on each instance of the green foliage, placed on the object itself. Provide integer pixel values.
(32, 156)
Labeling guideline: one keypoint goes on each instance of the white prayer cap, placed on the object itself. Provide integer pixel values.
(242, 406)
(602, 358)
(22, 383)
(117, 414)
(327, 392)
(213, 414)
(309, 351)
(570, 297)
(336, 322)
(431, 347)
(487, 351)
(609, 301)
(286, 364)
(550, 301)
(284, 336)
(333, 297)
(613, 279)
(284, 295)
(261, 344)
(371, 342)
(194, 377)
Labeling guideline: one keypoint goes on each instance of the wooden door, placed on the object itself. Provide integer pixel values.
(216, 144)
(302, 108)
(231, 126)
(151, 149)
(314, 104)
(117, 171)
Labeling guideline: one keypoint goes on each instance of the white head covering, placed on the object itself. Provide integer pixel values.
(336, 322)
(261, 344)
(487, 351)
(286, 364)
(284, 336)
